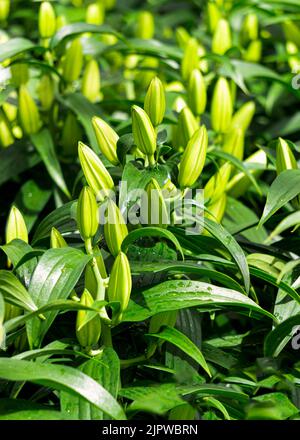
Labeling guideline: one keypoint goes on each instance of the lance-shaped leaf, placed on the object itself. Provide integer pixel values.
(14, 292)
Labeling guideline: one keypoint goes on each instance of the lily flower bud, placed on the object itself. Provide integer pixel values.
(107, 139)
(242, 118)
(145, 25)
(4, 9)
(213, 15)
(19, 74)
(285, 159)
(187, 126)
(73, 60)
(182, 37)
(190, 59)
(193, 158)
(115, 229)
(47, 20)
(6, 136)
(216, 210)
(221, 108)
(222, 37)
(120, 283)
(253, 52)
(249, 30)
(87, 331)
(216, 185)
(28, 112)
(91, 81)
(15, 226)
(87, 210)
(95, 13)
(143, 132)
(234, 143)
(46, 91)
(157, 212)
(57, 241)
(197, 92)
(155, 101)
(97, 176)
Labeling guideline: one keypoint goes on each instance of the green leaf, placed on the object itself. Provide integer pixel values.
(105, 370)
(44, 144)
(14, 292)
(211, 401)
(181, 341)
(31, 200)
(18, 409)
(62, 378)
(284, 188)
(14, 47)
(58, 305)
(151, 232)
(277, 339)
(22, 256)
(175, 295)
(54, 278)
(288, 222)
(16, 159)
(62, 218)
(185, 268)
(74, 29)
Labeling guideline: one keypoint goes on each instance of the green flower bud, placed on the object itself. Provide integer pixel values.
(4, 9)
(72, 63)
(221, 108)
(143, 132)
(216, 210)
(187, 126)
(47, 20)
(95, 13)
(71, 134)
(161, 319)
(91, 81)
(293, 59)
(213, 15)
(253, 52)
(16, 226)
(190, 60)
(28, 112)
(155, 101)
(147, 71)
(222, 37)
(61, 21)
(87, 210)
(249, 30)
(243, 117)
(87, 331)
(115, 229)
(216, 185)
(193, 158)
(57, 240)
(285, 159)
(145, 25)
(107, 139)
(234, 143)
(203, 63)
(97, 176)
(90, 280)
(19, 74)
(157, 212)
(46, 91)
(197, 92)
(6, 136)
(292, 32)
(10, 110)
(240, 183)
(182, 37)
(120, 283)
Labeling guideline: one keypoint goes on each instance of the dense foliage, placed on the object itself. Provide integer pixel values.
(191, 316)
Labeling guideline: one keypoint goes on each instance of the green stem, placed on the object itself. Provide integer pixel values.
(100, 295)
(106, 335)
